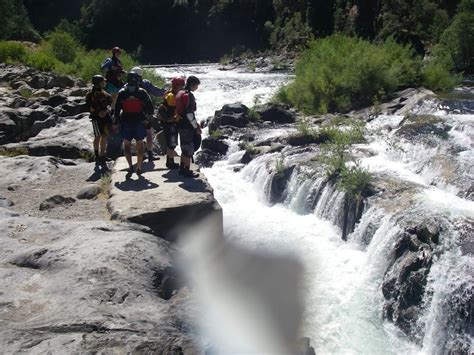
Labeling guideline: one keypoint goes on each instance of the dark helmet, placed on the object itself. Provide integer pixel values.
(97, 79)
(116, 50)
(133, 79)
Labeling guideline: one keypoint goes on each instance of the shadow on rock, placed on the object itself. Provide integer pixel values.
(136, 185)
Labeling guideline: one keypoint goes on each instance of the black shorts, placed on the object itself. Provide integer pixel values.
(171, 135)
(186, 136)
(102, 126)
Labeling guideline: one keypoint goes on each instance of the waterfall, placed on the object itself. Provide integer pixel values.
(306, 214)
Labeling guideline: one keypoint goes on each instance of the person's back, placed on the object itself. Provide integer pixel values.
(185, 103)
(112, 69)
(133, 105)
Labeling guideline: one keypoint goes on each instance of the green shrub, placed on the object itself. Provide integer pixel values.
(438, 77)
(155, 78)
(280, 166)
(216, 134)
(12, 52)
(41, 59)
(254, 116)
(304, 127)
(63, 46)
(63, 54)
(249, 148)
(339, 73)
(354, 180)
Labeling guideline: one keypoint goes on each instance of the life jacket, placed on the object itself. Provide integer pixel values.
(167, 109)
(114, 72)
(185, 103)
(132, 104)
(98, 101)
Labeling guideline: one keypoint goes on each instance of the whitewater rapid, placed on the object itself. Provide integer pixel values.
(342, 279)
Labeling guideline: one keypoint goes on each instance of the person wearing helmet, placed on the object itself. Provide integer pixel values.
(188, 127)
(132, 108)
(167, 111)
(112, 69)
(151, 90)
(98, 102)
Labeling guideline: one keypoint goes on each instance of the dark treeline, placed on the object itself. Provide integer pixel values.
(199, 30)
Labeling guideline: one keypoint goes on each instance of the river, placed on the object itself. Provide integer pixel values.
(342, 279)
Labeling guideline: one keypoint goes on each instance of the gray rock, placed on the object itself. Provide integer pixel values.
(17, 84)
(5, 203)
(235, 115)
(27, 169)
(71, 139)
(88, 192)
(276, 113)
(56, 100)
(206, 157)
(215, 145)
(75, 287)
(54, 201)
(38, 81)
(161, 199)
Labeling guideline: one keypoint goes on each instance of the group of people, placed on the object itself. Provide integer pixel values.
(126, 107)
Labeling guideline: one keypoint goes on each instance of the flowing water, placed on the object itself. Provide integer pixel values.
(343, 279)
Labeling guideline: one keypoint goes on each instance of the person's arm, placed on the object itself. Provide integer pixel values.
(148, 108)
(118, 107)
(106, 65)
(152, 89)
(190, 114)
(89, 102)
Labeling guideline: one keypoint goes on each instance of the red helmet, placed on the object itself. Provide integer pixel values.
(116, 50)
(178, 81)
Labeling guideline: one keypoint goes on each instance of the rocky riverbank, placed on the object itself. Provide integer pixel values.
(72, 280)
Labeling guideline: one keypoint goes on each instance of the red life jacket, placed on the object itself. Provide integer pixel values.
(132, 104)
(182, 101)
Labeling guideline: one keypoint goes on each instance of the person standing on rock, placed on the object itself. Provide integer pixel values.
(167, 111)
(132, 108)
(187, 124)
(113, 70)
(157, 92)
(98, 102)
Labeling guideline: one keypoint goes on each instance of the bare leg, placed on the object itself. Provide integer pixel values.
(149, 139)
(127, 147)
(96, 143)
(186, 161)
(170, 153)
(139, 154)
(103, 144)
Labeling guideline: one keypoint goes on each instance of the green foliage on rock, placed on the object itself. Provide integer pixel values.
(339, 73)
(60, 52)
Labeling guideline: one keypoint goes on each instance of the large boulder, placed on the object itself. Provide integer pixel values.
(235, 115)
(276, 113)
(216, 145)
(95, 287)
(160, 199)
(71, 138)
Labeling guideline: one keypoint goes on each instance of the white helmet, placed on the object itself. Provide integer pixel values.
(137, 70)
